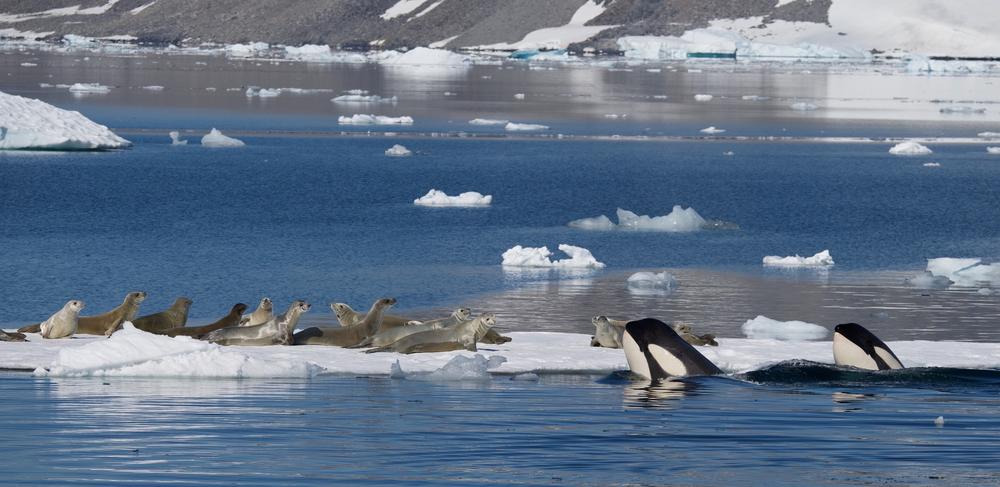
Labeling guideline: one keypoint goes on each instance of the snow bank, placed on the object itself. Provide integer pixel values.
(712, 130)
(134, 353)
(652, 281)
(910, 148)
(820, 259)
(425, 56)
(764, 327)
(398, 151)
(214, 138)
(362, 119)
(487, 121)
(440, 198)
(95, 88)
(579, 257)
(459, 368)
(33, 124)
(519, 127)
(966, 272)
(351, 98)
(678, 220)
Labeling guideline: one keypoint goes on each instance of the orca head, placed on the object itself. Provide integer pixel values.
(855, 346)
(655, 351)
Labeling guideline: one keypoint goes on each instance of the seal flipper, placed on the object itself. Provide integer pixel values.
(379, 349)
(36, 328)
(367, 342)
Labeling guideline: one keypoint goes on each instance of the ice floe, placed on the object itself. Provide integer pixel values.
(703, 97)
(803, 106)
(214, 138)
(927, 280)
(246, 50)
(966, 272)
(678, 220)
(579, 258)
(932, 164)
(519, 96)
(33, 124)
(651, 282)
(175, 138)
(488, 121)
(398, 150)
(153, 88)
(95, 88)
(255, 91)
(425, 56)
(989, 135)
(764, 327)
(910, 148)
(353, 98)
(993, 150)
(362, 119)
(459, 368)
(712, 130)
(963, 110)
(467, 199)
(523, 127)
(821, 259)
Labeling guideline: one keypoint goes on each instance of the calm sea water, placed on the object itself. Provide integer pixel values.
(798, 426)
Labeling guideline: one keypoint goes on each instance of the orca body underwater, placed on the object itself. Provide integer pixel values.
(855, 346)
(655, 351)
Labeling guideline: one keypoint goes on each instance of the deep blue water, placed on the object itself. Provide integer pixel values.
(331, 218)
(796, 427)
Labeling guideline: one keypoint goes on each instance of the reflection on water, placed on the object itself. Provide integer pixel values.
(659, 394)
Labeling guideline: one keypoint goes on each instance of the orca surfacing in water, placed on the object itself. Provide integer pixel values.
(855, 346)
(655, 351)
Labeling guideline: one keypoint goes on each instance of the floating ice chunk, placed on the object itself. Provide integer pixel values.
(927, 280)
(703, 97)
(425, 56)
(595, 223)
(580, 257)
(764, 327)
(356, 91)
(214, 138)
(729, 153)
(965, 272)
(989, 135)
(262, 92)
(488, 121)
(440, 198)
(134, 353)
(350, 98)
(985, 291)
(460, 367)
(34, 124)
(246, 50)
(939, 421)
(313, 53)
(803, 106)
(519, 96)
(932, 164)
(520, 127)
(910, 148)
(820, 259)
(362, 119)
(398, 151)
(28, 65)
(175, 138)
(95, 88)
(654, 281)
(963, 110)
(754, 98)
(712, 130)
(678, 220)
(153, 88)
(993, 150)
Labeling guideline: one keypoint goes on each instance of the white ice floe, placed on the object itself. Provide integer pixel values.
(764, 327)
(703, 97)
(425, 56)
(966, 110)
(323, 54)
(153, 88)
(255, 91)
(362, 119)
(989, 135)
(33, 124)
(712, 130)
(927, 280)
(993, 150)
(398, 150)
(529, 352)
(910, 148)
(214, 138)
(522, 127)
(175, 138)
(821, 259)
(678, 220)
(134, 353)
(459, 368)
(488, 121)
(95, 88)
(579, 257)
(246, 50)
(753, 98)
(352, 98)
(467, 199)
(519, 96)
(803, 106)
(967, 272)
(932, 164)
(652, 281)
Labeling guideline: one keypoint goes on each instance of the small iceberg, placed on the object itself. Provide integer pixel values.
(516, 127)
(910, 148)
(398, 151)
(255, 91)
(519, 96)
(214, 138)
(487, 121)
(932, 164)
(153, 88)
(678, 220)
(993, 150)
(712, 130)
(353, 98)
(965, 272)
(362, 119)
(651, 282)
(766, 328)
(95, 88)
(703, 97)
(989, 135)
(467, 199)
(927, 280)
(425, 56)
(28, 124)
(803, 106)
(175, 138)
(821, 259)
(579, 258)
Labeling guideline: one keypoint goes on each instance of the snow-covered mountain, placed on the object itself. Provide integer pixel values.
(653, 28)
